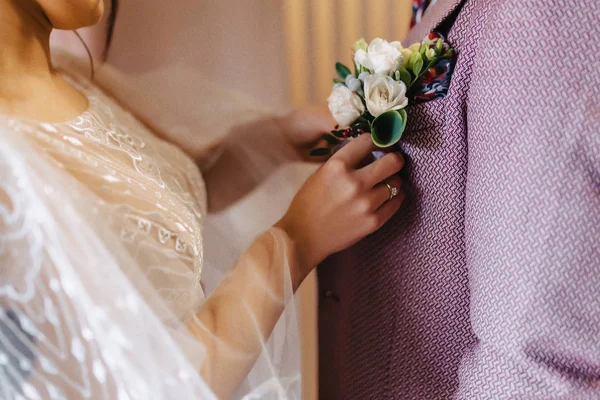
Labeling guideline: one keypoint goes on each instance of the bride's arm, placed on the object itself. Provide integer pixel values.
(252, 151)
(237, 319)
(337, 206)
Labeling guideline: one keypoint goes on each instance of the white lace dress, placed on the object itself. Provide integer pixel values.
(153, 192)
(101, 256)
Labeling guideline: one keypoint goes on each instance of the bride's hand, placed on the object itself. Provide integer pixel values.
(342, 202)
(303, 130)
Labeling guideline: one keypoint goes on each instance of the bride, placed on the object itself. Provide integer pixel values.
(101, 248)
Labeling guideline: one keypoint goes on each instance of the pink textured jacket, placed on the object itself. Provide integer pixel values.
(486, 285)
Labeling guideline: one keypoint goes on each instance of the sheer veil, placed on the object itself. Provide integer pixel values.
(73, 324)
(81, 319)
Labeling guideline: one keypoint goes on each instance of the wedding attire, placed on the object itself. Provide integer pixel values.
(485, 284)
(102, 254)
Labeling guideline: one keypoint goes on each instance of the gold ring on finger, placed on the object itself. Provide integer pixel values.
(393, 190)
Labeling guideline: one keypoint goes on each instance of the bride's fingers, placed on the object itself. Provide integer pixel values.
(381, 193)
(379, 170)
(388, 209)
(353, 153)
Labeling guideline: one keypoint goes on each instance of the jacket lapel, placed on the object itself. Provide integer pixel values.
(434, 16)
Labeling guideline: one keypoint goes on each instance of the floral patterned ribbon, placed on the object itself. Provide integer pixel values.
(435, 82)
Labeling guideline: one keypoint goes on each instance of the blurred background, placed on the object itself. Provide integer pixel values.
(281, 52)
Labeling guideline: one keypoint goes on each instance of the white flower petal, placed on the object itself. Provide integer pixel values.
(381, 56)
(345, 105)
(382, 93)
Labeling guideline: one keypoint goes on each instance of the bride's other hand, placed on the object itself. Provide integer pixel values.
(342, 202)
(303, 129)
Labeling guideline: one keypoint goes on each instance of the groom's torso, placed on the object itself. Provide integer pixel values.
(394, 309)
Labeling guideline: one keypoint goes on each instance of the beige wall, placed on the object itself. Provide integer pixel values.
(236, 43)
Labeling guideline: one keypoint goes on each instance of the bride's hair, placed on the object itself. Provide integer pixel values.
(112, 19)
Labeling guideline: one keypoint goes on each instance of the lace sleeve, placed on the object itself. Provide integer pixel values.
(71, 323)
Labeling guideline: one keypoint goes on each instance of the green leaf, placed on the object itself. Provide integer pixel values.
(387, 129)
(330, 139)
(405, 76)
(417, 66)
(320, 152)
(336, 80)
(342, 70)
(423, 49)
(449, 52)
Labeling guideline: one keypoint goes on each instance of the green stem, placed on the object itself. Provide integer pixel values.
(421, 73)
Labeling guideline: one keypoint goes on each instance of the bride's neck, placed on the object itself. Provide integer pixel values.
(29, 87)
(24, 47)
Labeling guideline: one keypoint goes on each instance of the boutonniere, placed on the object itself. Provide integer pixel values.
(386, 79)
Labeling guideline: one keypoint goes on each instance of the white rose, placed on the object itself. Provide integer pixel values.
(345, 105)
(381, 56)
(383, 93)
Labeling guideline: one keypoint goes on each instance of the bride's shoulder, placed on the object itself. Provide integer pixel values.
(25, 154)
(15, 168)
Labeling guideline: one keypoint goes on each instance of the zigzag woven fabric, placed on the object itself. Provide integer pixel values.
(486, 285)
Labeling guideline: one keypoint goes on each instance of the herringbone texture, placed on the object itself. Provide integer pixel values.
(487, 284)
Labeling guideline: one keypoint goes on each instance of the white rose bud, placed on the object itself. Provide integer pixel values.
(360, 44)
(345, 106)
(352, 83)
(381, 57)
(383, 93)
